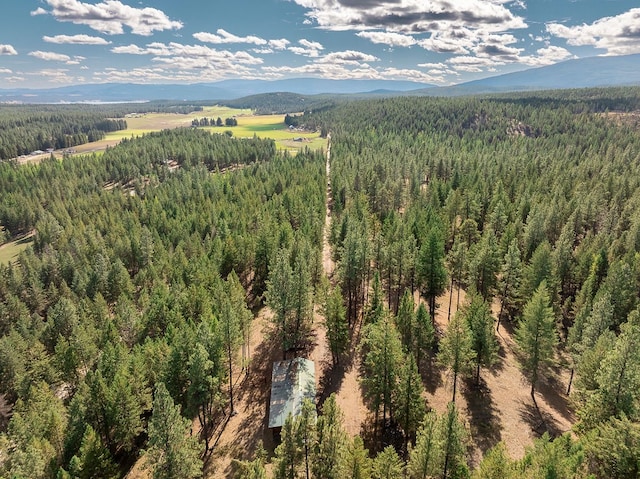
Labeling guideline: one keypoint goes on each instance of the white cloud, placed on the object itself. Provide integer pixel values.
(618, 35)
(344, 72)
(7, 50)
(432, 65)
(412, 16)
(5, 70)
(309, 44)
(14, 79)
(279, 44)
(76, 40)
(110, 16)
(130, 49)
(222, 36)
(548, 56)
(59, 75)
(193, 57)
(350, 57)
(262, 51)
(388, 38)
(308, 48)
(50, 56)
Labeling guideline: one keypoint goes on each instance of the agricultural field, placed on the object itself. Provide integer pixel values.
(9, 251)
(249, 125)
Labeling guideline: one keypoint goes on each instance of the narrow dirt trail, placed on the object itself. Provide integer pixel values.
(240, 436)
(343, 380)
(500, 407)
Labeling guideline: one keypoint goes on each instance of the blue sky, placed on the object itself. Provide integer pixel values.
(49, 43)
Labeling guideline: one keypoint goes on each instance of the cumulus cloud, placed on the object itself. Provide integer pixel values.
(222, 36)
(193, 57)
(7, 50)
(76, 40)
(344, 72)
(5, 70)
(110, 16)
(350, 57)
(548, 56)
(308, 48)
(279, 44)
(50, 56)
(389, 38)
(415, 16)
(618, 35)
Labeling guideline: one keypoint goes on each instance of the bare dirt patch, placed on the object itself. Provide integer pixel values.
(500, 407)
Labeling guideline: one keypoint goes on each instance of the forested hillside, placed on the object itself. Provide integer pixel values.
(137, 278)
(530, 204)
(125, 324)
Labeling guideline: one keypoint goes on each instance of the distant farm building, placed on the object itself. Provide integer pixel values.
(292, 381)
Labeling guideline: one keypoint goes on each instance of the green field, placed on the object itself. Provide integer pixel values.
(10, 251)
(262, 126)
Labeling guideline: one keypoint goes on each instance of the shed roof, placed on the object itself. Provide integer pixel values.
(292, 381)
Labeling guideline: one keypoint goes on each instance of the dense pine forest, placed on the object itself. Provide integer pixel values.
(124, 326)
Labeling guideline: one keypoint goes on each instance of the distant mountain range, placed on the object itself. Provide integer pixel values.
(579, 73)
(584, 72)
(223, 90)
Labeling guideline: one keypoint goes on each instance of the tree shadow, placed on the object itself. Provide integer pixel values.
(431, 373)
(540, 421)
(252, 392)
(375, 439)
(484, 418)
(551, 389)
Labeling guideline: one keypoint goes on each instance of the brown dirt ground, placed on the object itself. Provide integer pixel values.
(500, 407)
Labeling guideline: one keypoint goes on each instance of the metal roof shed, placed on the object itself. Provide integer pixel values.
(292, 381)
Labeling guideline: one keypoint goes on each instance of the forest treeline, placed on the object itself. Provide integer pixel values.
(125, 321)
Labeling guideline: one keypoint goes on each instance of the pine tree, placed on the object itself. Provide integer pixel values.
(431, 271)
(536, 335)
(405, 321)
(456, 353)
(495, 464)
(387, 465)
(93, 459)
(279, 296)
(480, 322)
(355, 462)
(509, 283)
(409, 404)
(618, 378)
(331, 441)
(336, 323)
(423, 458)
(484, 264)
(425, 334)
(288, 456)
(453, 438)
(383, 356)
(173, 454)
